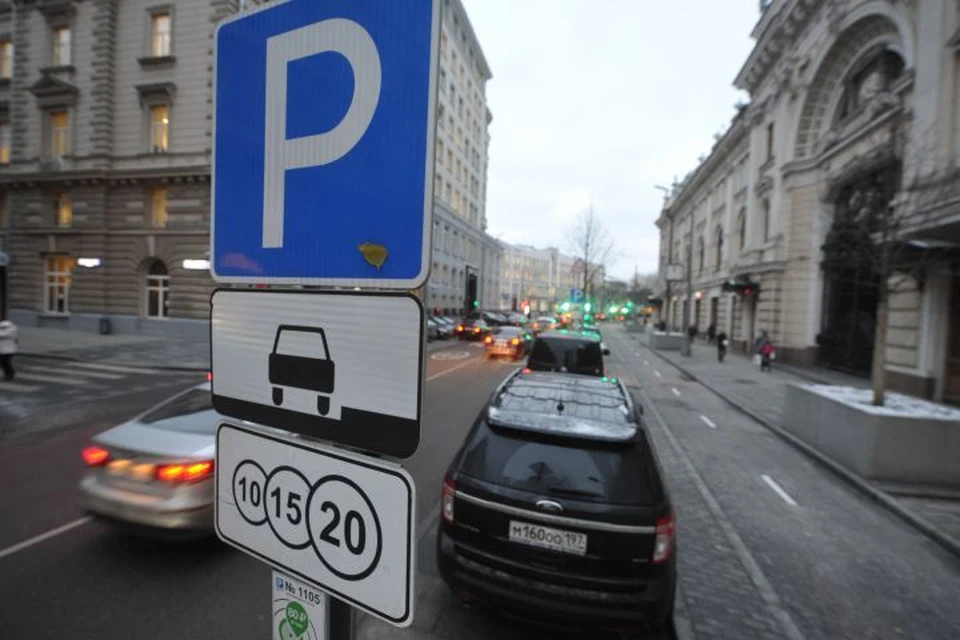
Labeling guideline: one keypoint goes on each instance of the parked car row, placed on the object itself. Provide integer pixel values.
(554, 509)
(441, 328)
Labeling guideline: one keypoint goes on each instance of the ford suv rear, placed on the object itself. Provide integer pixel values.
(555, 510)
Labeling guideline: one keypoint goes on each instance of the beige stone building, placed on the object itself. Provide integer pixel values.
(105, 151)
(541, 277)
(852, 122)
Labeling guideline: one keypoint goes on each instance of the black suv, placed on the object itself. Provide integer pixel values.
(555, 510)
(568, 352)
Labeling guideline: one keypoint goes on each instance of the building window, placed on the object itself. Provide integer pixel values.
(769, 141)
(160, 34)
(449, 159)
(158, 207)
(701, 255)
(61, 46)
(441, 111)
(443, 81)
(58, 274)
(59, 133)
(157, 291)
(159, 128)
(719, 234)
(64, 210)
(766, 220)
(4, 143)
(6, 59)
(447, 194)
(742, 226)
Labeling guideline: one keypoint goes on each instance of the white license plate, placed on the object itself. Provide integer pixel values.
(548, 538)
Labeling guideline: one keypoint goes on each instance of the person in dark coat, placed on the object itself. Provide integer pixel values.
(721, 345)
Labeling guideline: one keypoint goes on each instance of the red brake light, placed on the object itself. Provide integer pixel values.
(476, 329)
(185, 472)
(526, 370)
(459, 327)
(447, 499)
(209, 376)
(515, 341)
(663, 544)
(94, 456)
(488, 340)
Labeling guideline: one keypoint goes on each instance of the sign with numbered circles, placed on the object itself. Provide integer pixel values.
(337, 520)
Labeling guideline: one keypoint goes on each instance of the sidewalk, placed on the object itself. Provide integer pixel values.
(146, 351)
(762, 396)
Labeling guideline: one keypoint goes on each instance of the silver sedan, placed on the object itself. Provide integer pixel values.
(156, 471)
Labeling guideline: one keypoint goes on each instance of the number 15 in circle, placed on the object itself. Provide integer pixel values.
(344, 528)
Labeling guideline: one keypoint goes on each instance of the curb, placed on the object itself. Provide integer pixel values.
(162, 367)
(918, 522)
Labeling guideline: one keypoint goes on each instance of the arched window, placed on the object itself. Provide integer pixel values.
(701, 255)
(719, 234)
(157, 291)
(766, 220)
(742, 226)
(876, 72)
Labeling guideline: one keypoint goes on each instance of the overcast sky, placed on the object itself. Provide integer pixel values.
(597, 101)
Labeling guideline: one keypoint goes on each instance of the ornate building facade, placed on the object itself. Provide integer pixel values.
(853, 124)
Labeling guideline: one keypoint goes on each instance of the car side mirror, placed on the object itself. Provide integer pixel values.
(606, 351)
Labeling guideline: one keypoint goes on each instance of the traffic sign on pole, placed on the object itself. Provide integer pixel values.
(337, 520)
(339, 366)
(576, 295)
(323, 151)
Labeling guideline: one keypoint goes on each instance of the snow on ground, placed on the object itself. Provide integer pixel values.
(895, 404)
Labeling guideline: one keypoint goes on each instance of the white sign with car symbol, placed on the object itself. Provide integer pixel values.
(337, 366)
(337, 520)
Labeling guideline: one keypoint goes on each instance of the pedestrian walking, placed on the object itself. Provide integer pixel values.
(8, 347)
(721, 345)
(765, 351)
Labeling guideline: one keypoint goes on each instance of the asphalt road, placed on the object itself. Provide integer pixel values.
(89, 581)
(770, 544)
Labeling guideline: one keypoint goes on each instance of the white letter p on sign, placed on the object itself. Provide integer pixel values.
(351, 41)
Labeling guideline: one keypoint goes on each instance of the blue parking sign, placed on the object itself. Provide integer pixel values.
(323, 152)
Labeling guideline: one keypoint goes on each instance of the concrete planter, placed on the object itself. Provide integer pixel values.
(918, 445)
(660, 341)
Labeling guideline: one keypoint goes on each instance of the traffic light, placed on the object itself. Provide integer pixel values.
(565, 306)
(587, 307)
(476, 303)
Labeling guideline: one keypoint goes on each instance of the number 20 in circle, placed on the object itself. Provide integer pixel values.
(344, 528)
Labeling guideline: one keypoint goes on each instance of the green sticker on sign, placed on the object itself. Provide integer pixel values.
(298, 618)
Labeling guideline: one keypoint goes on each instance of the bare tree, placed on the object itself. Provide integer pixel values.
(880, 234)
(591, 243)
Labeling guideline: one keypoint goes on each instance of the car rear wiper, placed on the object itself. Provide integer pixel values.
(574, 492)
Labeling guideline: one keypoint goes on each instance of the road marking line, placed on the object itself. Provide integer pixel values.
(658, 373)
(779, 490)
(82, 373)
(676, 392)
(707, 421)
(20, 388)
(114, 367)
(46, 377)
(20, 546)
(451, 369)
(767, 592)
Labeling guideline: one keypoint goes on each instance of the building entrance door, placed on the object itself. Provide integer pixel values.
(951, 381)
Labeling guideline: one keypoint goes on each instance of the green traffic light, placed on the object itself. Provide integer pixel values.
(565, 306)
(587, 307)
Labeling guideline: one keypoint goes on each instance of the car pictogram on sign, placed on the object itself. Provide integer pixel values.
(297, 371)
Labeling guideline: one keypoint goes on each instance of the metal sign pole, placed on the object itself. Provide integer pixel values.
(341, 620)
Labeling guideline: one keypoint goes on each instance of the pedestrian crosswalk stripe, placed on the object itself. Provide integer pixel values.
(6, 386)
(46, 377)
(66, 370)
(114, 367)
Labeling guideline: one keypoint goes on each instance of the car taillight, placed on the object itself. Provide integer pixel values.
(488, 340)
(476, 329)
(94, 456)
(460, 328)
(663, 544)
(526, 370)
(184, 472)
(515, 341)
(209, 376)
(446, 501)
